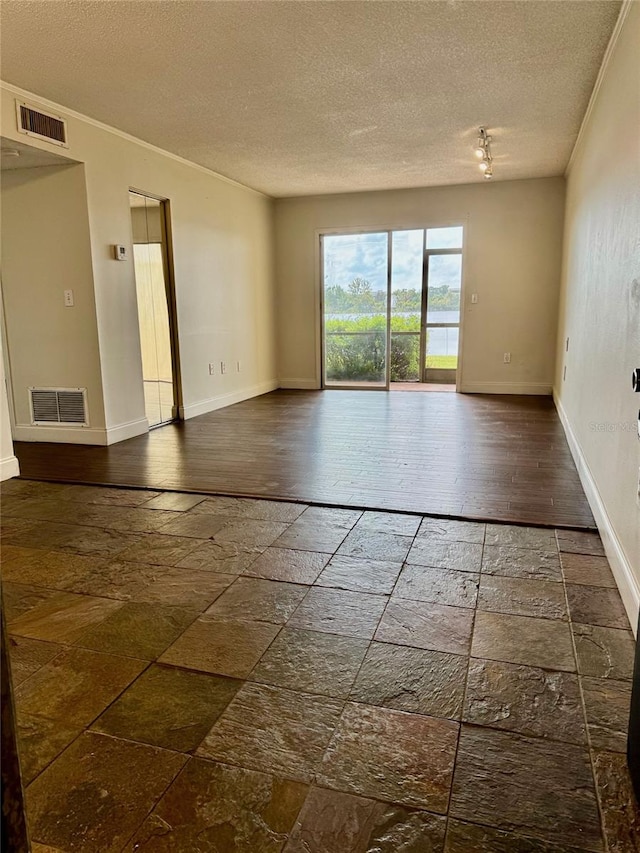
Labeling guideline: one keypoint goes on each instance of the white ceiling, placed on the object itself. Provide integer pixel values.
(298, 98)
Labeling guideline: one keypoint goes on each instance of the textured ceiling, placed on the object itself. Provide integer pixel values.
(297, 98)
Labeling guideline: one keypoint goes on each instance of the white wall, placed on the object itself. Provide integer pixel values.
(600, 308)
(223, 260)
(512, 257)
(45, 250)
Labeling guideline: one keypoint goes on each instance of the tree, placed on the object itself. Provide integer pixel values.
(362, 299)
(336, 300)
(406, 300)
(359, 287)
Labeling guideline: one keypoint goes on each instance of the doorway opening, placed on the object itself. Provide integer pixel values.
(391, 309)
(156, 308)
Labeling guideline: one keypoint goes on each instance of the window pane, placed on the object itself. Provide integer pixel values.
(445, 238)
(442, 348)
(406, 301)
(445, 277)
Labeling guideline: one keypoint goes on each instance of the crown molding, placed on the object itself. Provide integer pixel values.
(32, 97)
(606, 59)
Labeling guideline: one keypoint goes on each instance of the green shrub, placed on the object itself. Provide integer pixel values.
(359, 353)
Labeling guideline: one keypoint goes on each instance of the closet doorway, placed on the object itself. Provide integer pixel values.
(156, 307)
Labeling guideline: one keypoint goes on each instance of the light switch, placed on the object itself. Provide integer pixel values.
(474, 298)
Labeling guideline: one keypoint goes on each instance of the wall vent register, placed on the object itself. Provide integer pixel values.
(62, 406)
(45, 126)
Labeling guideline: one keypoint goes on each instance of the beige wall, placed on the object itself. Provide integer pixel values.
(46, 250)
(600, 308)
(223, 260)
(512, 255)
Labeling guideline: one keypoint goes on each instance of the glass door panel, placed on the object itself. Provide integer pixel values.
(407, 257)
(355, 282)
(444, 281)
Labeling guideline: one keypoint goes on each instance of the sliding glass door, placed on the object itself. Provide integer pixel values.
(391, 307)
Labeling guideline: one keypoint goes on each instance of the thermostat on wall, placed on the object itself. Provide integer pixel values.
(120, 253)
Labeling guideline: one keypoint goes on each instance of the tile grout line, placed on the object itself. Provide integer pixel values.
(86, 726)
(464, 696)
(370, 642)
(159, 798)
(583, 707)
(371, 506)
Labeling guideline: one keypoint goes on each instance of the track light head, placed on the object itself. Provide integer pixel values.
(483, 152)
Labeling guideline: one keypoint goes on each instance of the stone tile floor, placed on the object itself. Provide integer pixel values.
(201, 673)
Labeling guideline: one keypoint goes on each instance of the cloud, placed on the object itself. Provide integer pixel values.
(349, 256)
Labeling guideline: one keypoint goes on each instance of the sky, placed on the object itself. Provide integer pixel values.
(349, 256)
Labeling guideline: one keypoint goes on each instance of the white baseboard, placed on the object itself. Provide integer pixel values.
(620, 565)
(127, 430)
(60, 434)
(300, 384)
(222, 400)
(9, 468)
(81, 435)
(540, 388)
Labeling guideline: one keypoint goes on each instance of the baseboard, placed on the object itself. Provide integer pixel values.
(300, 384)
(539, 388)
(219, 402)
(127, 430)
(9, 468)
(620, 565)
(60, 434)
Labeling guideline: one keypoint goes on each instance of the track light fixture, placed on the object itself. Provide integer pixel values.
(483, 152)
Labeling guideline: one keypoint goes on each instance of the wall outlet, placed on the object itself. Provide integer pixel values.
(507, 358)
(212, 368)
(238, 366)
(223, 367)
(68, 299)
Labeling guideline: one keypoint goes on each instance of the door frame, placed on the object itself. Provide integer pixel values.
(460, 221)
(172, 306)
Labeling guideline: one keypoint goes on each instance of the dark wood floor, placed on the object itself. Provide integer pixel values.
(501, 458)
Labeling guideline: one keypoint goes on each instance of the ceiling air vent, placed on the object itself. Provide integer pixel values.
(65, 406)
(34, 122)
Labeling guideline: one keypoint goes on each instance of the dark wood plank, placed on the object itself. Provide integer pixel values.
(502, 458)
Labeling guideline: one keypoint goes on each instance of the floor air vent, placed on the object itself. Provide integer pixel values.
(65, 406)
(42, 125)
